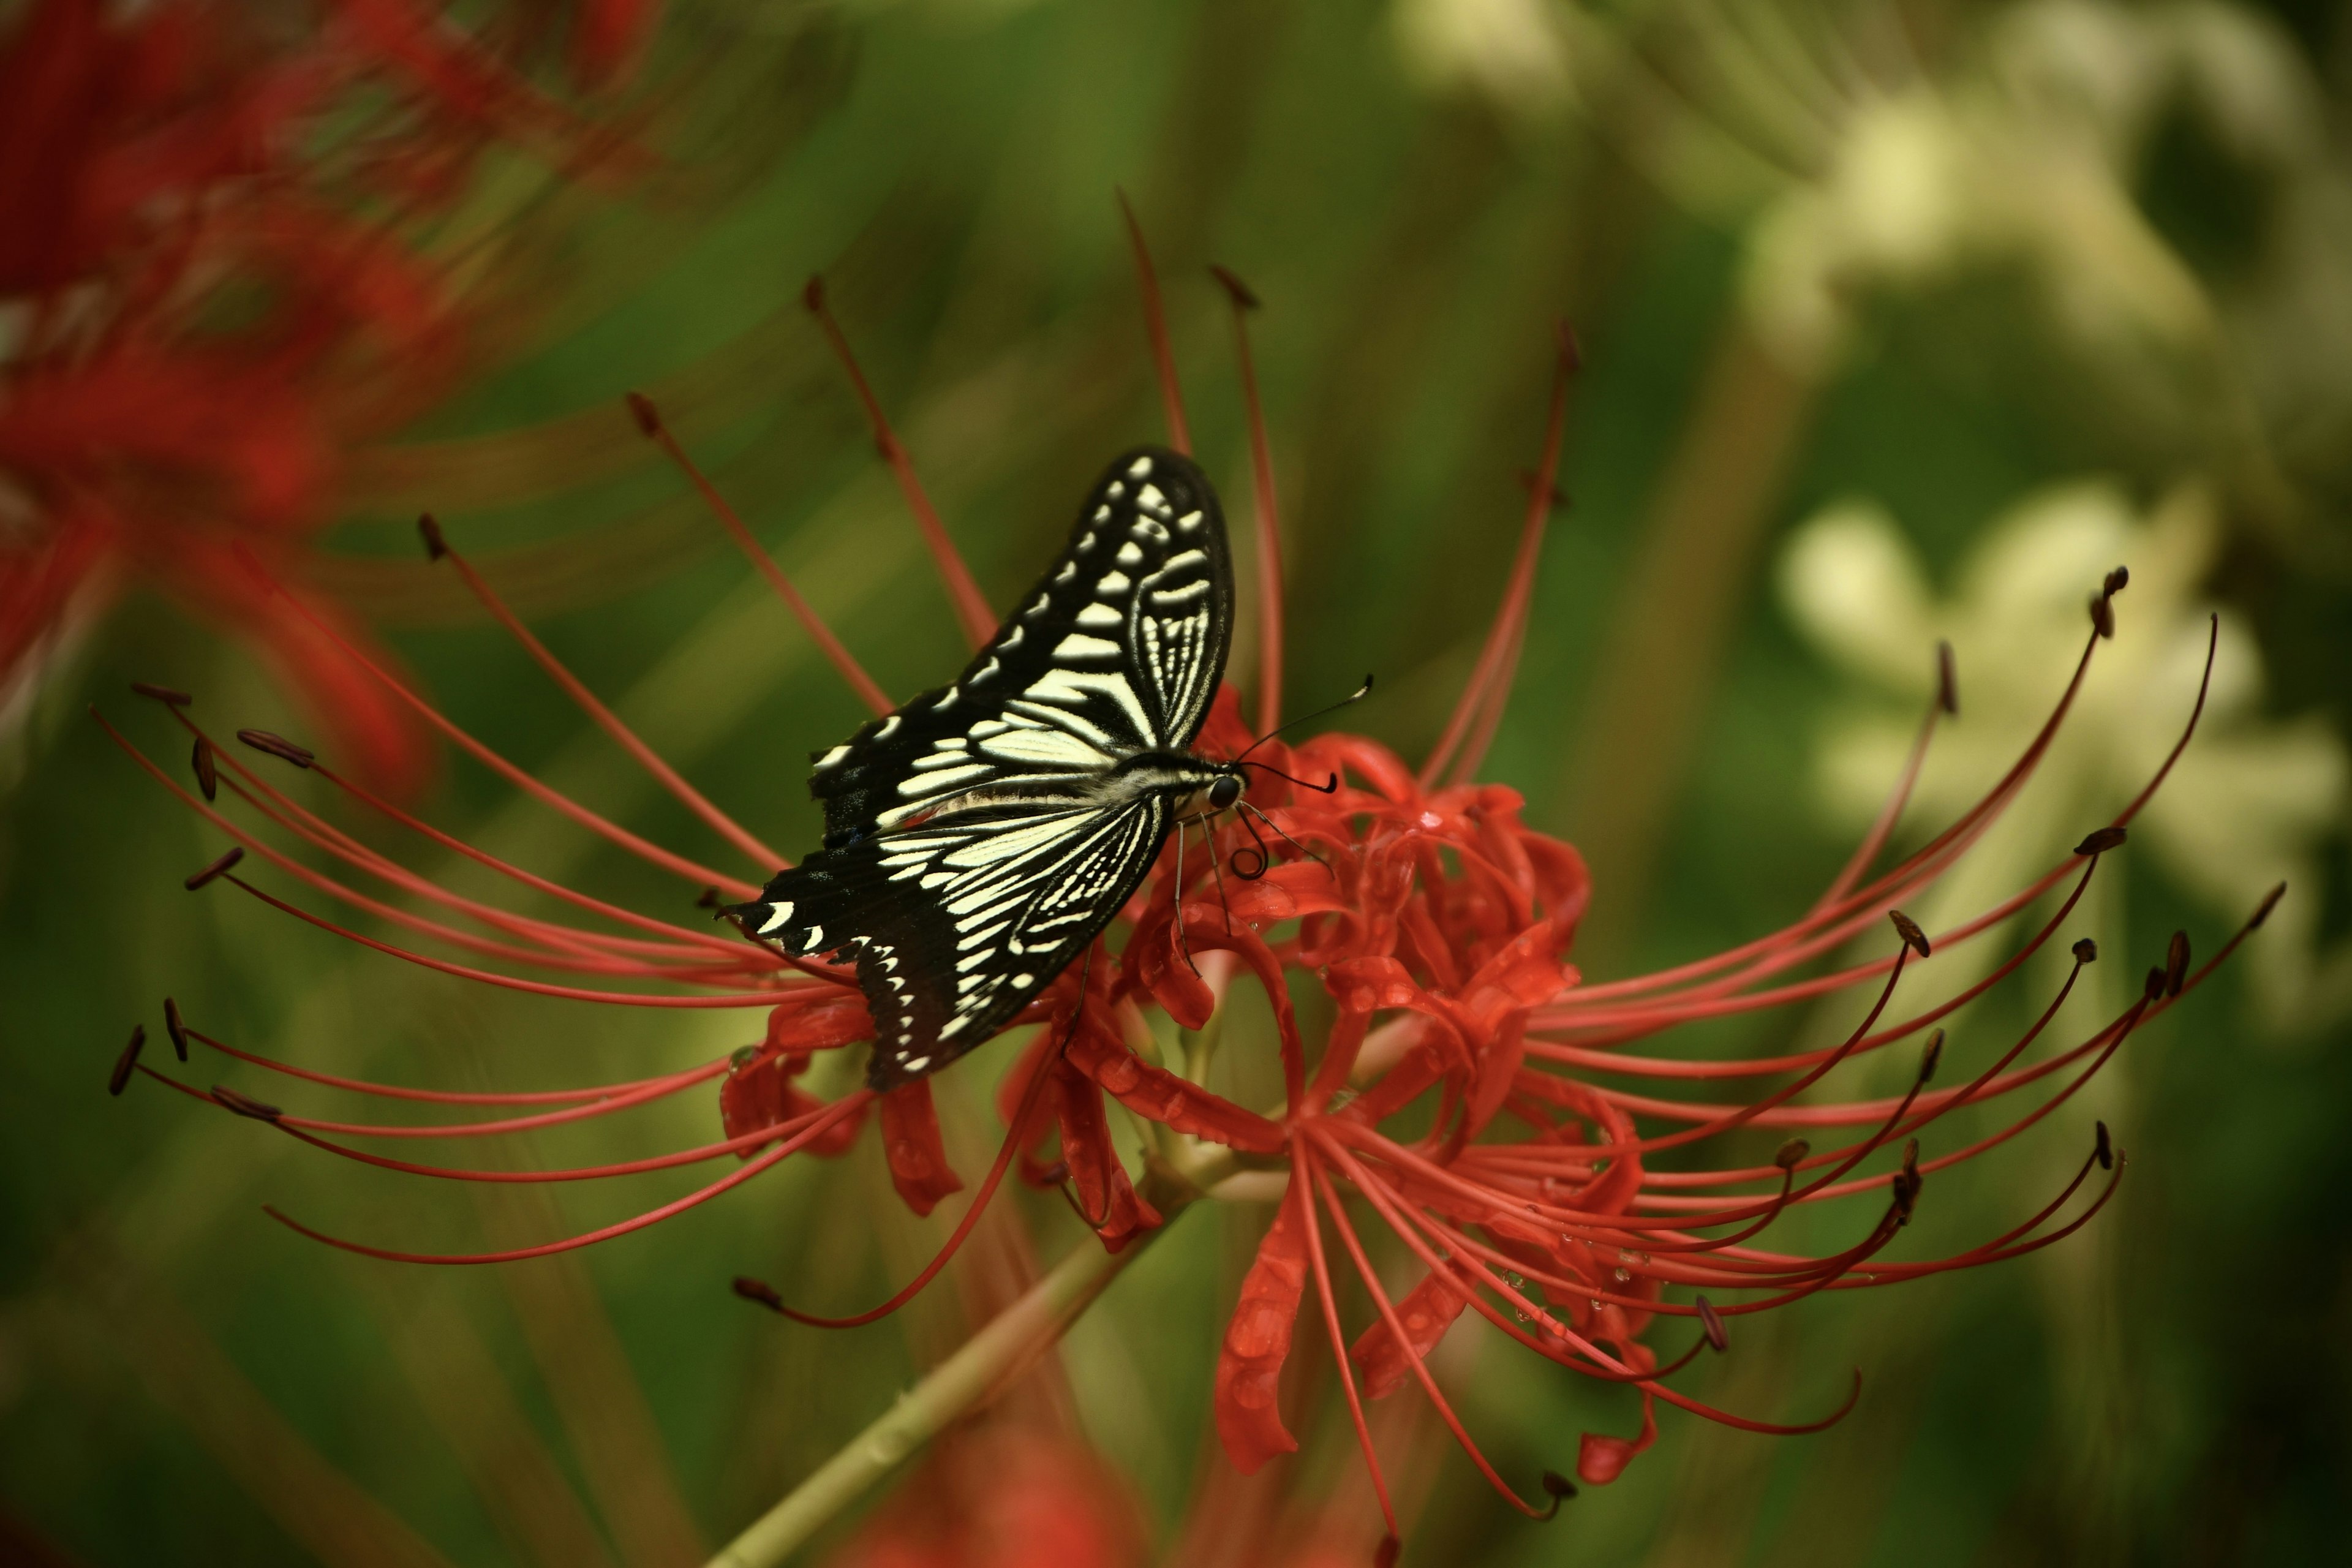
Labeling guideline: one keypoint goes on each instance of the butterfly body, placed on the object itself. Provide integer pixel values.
(979, 838)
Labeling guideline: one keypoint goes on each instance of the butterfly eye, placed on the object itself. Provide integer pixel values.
(1224, 792)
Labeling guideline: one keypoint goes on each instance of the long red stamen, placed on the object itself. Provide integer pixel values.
(650, 420)
(1917, 867)
(458, 1097)
(1030, 1098)
(1651, 1022)
(1302, 1176)
(1396, 1328)
(970, 604)
(839, 1110)
(1891, 811)
(1488, 687)
(612, 832)
(670, 778)
(512, 983)
(307, 1130)
(1269, 514)
(1155, 327)
(546, 958)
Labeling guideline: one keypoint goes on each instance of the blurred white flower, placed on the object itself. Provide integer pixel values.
(1931, 182)
(1512, 50)
(2250, 802)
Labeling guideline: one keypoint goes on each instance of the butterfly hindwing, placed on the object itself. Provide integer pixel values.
(958, 923)
(1117, 649)
(970, 851)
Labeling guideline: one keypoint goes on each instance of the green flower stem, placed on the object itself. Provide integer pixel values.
(985, 1362)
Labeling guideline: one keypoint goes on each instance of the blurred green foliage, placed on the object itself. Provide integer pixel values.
(180, 1381)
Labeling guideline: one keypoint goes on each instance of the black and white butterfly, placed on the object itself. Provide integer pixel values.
(978, 839)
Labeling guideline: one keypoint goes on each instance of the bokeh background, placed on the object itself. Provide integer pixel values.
(1902, 322)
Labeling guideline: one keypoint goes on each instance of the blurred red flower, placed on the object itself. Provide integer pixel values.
(213, 292)
(1006, 1497)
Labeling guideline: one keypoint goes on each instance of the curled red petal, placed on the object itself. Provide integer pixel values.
(910, 1142)
(1525, 974)
(1601, 1458)
(1427, 1310)
(761, 1093)
(821, 1020)
(1287, 892)
(1257, 1341)
(1371, 985)
(1159, 1095)
(1110, 1201)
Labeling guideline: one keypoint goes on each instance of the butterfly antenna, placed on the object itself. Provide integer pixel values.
(1264, 857)
(1356, 696)
(1329, 785)
(1286, 838)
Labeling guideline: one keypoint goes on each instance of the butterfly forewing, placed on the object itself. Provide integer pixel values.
(970, 854)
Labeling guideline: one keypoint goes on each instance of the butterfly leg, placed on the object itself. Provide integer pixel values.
(1286, 838)
(1209, 841)
(1182, 939)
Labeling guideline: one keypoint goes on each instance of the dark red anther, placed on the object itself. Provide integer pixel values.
(278, 746)
(2154, 985)
(175, 1028)
(1711, 1321)
(648, 417)
(2115, 581)
(1558, 1487)
(1931, 1056)
(2104, 1151)
(436, 546)
(1907, 1183)
(1908, 930)
(219, 867)
(1558, 497)
(2270, 903)
(2176, 963)
(1947, 680)
(245, 1104)
(1384, 1556)
(120, 1076)
(812, 293)
(1235, 289)
(2086, 952)
(207, 771)
(759, 1291)
(2102, 616)
(169, 694)
(707, 899)
(1793, 1154)
(2100, 841)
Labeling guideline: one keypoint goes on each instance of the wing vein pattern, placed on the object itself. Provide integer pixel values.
(979, 838)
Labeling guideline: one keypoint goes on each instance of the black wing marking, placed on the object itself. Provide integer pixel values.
(1117, 649)
(958, 922)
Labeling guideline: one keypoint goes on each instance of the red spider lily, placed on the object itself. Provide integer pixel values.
(1464, 1096)
(221, 298)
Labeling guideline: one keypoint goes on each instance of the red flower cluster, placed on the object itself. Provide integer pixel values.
(205, 222)
(1464, 1096)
